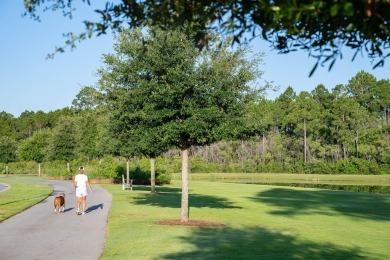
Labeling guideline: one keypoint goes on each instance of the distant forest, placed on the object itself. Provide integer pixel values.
(345, 130)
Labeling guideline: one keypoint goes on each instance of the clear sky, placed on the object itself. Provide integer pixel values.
(28, 81)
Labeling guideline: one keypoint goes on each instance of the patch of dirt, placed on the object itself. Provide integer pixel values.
(195, 223)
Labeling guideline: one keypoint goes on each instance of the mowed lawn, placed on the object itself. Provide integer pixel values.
(262, 222)
(21, 196)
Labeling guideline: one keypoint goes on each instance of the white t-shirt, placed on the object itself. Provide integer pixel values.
(81, 180)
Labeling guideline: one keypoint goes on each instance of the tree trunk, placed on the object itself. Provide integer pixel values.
(357, 145)
(207, 155)
(127, 173)
(184, 186)
(39, 169)
(152, 175)
(6, 170)
(305, 139)
(242, 154)
(263, 149)
(344, 151)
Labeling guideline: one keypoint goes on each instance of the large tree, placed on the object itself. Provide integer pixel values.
(161, 88)
(322, 28)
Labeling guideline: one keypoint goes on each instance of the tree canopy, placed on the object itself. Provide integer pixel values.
(322, 28)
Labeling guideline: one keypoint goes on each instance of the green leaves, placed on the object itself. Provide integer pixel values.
(289, 25)
(163, 92)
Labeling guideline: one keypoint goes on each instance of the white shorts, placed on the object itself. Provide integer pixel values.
(81, 191)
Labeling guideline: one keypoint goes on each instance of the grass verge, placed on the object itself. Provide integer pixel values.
(262, 222)
(21, 196)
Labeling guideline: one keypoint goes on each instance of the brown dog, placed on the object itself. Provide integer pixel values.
(59, 202)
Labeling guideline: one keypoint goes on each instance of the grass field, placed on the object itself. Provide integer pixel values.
(21, 196)
(262, 222)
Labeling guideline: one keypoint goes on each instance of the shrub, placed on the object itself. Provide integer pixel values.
(110, 168)
(140, 176)
(163, 178)
(362, 166)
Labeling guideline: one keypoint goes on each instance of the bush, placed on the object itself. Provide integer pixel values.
(140, 176)
(319, 167)
(346, 167)
(163, 178)
(362, 166)
(110, 168)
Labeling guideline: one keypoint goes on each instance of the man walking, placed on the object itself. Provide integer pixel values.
(80, 184)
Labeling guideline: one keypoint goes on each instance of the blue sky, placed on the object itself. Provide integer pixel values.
(28, 81)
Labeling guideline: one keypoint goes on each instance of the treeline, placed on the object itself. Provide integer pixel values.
(342, 131)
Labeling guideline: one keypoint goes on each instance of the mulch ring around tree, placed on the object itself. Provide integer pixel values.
(194, 223)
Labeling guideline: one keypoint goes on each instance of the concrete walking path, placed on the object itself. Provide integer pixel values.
(39, 233)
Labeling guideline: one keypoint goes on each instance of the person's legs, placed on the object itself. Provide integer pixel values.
(79, 199)
(84, 203)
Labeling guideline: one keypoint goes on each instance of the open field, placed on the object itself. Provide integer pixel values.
(262, 222)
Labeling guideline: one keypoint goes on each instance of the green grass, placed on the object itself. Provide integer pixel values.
(21, 196)
(262, 222)
(342, 179)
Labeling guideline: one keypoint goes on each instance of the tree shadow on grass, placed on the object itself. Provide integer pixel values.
(296, 202)
(256, 243)
(171, 197)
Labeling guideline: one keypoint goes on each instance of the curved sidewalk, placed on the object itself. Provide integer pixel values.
(39, 233)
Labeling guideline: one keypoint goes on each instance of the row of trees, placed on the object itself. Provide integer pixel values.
(348, 123)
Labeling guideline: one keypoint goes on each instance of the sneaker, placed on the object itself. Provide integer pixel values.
(83, 213)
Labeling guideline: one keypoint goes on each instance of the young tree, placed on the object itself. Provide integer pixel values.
(161, 89)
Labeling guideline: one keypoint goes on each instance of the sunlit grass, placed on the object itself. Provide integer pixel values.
(342, 179)
(262, 222)
(20, 196)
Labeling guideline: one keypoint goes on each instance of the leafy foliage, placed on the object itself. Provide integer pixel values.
(7, 149)
(322, 28)
(33, 148)
(109, 168)
(163, 92)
